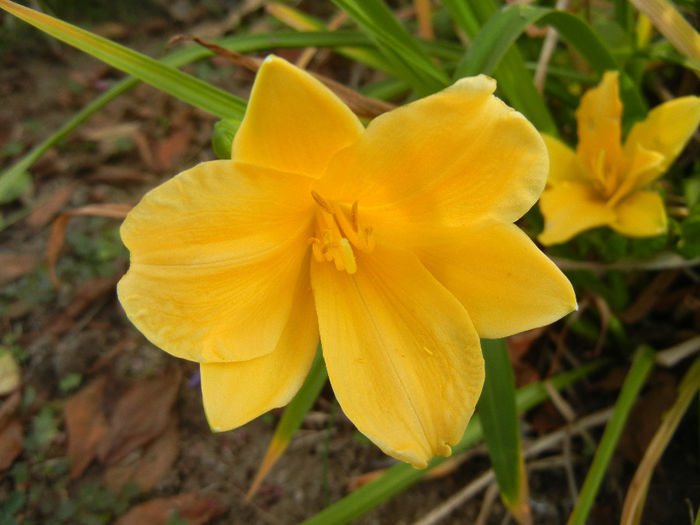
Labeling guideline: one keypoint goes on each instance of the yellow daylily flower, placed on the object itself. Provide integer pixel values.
(606, 183)
(396, 243)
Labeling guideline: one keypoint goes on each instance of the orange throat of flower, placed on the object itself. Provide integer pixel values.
(604, 175)
(337, 233)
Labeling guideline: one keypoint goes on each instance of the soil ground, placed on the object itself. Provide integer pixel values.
(66, 340)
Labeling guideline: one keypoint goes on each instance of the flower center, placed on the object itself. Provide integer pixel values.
(604, 175)
(337, 232)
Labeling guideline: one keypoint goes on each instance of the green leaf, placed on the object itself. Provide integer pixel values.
(15, 175)
(401, 476)
(641, 366)
(292, 418)
(504, 27)
(689, 243)
(181, 85)
(514, 80)
(663, 50)
(304, 22)
(499, 420)
(401, 49)
(636, 493)
(13, 186)
(222, 137)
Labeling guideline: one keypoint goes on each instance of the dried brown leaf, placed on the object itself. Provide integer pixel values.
(148, 469)
(106, 358)
(360, 105)
(645, 301)
(86, 425)
(140, 415)
(194, 509)
(87, 294)
(604, 313)
(172, 147)
(520, 344)
(359, 481)
(48, 209)
(11, 438)
(58, 230)
(518, 347)
(546, 418)
(109, 136)
(15, 265)
(9, 407)
(119, 176)
(646, 416)
(613, 380)
(143, 146)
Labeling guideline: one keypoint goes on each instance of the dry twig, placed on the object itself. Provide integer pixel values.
(534, 448)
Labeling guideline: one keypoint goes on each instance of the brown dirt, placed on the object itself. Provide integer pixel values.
(137, 141)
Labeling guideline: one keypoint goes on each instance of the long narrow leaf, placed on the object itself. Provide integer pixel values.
(166, 78)
(300, 21)
(503, 29)
(499, 420)
(641, 366)
(670, 23)
(634, 500)
(397, 44)
(514, 80)
(291, 420)
(240, 43)
(401, 476)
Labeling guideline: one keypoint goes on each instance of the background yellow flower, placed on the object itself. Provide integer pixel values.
(606, 183)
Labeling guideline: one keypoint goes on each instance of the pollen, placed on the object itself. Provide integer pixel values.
(338, 233)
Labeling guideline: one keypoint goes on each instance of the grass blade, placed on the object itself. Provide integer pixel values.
(670, 23)
(397, 44)
(636, 493)
(401, 476)
(641, 366)
(291, 420)
(166, 78)
(304, 22)
(240, 43)
(514, 80)
(503, 28)
(499, 420)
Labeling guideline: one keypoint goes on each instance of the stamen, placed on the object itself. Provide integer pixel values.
(317, 249)
(322, 202)
(348, 256)
(338, 233)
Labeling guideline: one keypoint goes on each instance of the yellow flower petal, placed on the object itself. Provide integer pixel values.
(570, 208)
(564, 163)
(402, 355)
(599, 127)
(235, 393)
(640, 169)
(293, 122)
(215, 255)
(454, 158)
(642, 214)
(504, 281)
(666, 130)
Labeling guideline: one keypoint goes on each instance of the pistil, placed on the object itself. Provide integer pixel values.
(338, 233)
